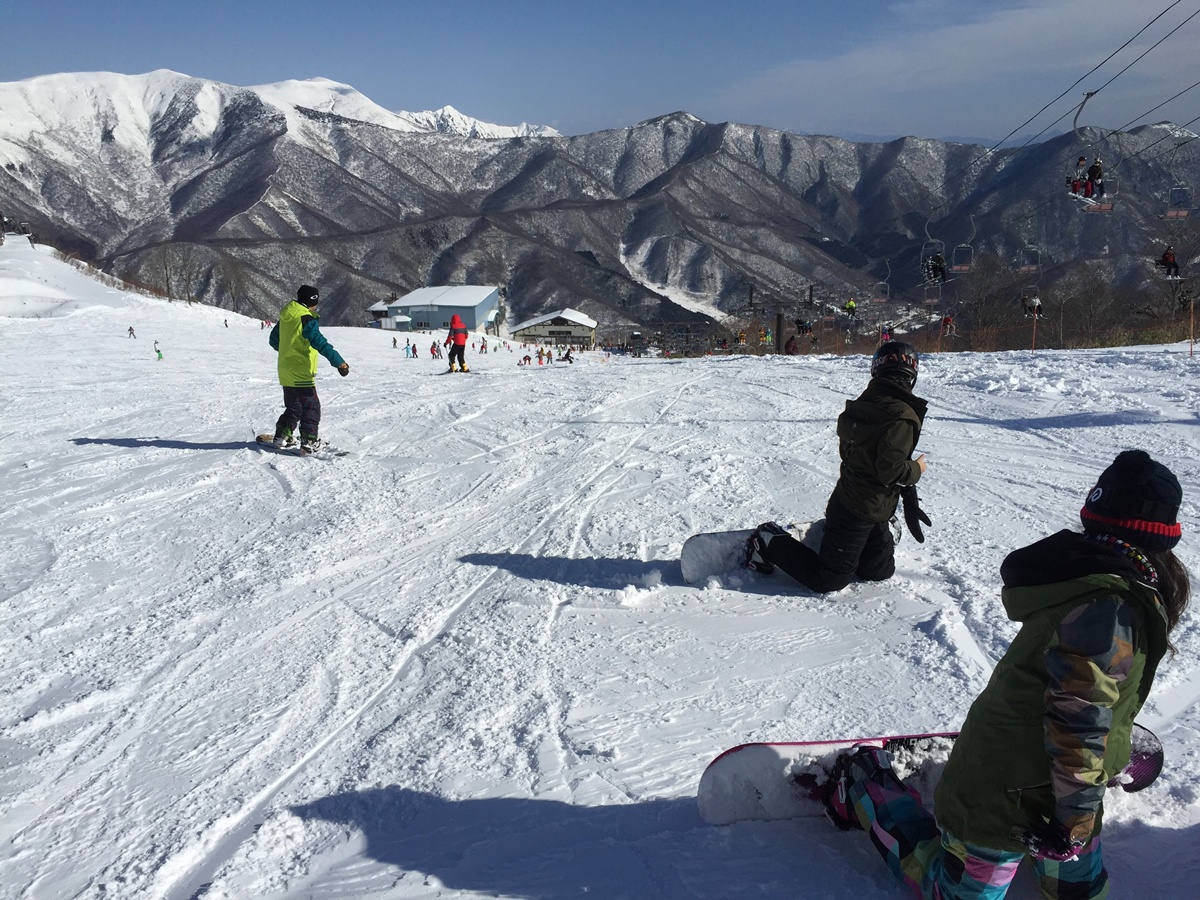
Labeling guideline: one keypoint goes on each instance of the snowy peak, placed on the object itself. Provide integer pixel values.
(127, 106)
(449, 120)
(331, 97)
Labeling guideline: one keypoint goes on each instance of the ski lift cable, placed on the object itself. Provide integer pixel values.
(1078, 81)
(1089, 94)
(1050, 203)
(1148, 50)
(1160, 106)
(1163, 138)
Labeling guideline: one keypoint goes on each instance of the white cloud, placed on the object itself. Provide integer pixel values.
(934, 76)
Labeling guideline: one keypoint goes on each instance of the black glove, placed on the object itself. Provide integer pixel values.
(344, 369)
(913, 514)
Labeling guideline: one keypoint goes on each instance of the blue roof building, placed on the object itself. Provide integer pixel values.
(430, 308)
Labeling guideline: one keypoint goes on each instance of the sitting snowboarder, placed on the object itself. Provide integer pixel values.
(877, 434)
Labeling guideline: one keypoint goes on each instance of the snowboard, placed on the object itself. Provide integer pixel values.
(719, 552)
(785, 780)
(326, 452)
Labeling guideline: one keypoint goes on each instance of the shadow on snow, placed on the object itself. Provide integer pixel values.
(163, 443)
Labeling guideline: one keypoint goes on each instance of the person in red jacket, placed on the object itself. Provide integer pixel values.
(457, 337)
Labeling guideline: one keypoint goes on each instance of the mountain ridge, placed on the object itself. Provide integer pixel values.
(233, 195)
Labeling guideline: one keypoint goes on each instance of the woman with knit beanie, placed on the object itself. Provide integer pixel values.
(1027, 775)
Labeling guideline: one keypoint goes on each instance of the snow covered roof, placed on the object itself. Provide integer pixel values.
(466, 295)
(381, 306)
(571, 315)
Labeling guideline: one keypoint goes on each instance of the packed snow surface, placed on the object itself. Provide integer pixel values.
(461, 661)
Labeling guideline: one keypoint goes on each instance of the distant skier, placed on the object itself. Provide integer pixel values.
(1168, 261)
(131, 334)
(1077, 183)
(1095, 179)
(877, 434)
(157, 351)
(458, 338)
(935, 268)
(851, 307)
(1026, 777)
(297, 338)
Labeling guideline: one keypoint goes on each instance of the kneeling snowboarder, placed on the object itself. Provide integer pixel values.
(877, 435)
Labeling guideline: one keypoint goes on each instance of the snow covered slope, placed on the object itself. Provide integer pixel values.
(461, 661)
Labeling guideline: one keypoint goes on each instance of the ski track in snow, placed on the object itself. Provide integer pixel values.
(461, 661)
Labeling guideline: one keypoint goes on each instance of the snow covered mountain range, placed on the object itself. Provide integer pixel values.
(233, 195)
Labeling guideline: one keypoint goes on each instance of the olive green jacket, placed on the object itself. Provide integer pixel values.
(877, 434)
(1053, 726)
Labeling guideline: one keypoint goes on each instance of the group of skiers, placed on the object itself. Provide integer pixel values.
(1088, 181)
(1026, 777)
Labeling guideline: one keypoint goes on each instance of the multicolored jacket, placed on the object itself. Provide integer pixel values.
(1053, 726)
(877, 434)
(298, 340)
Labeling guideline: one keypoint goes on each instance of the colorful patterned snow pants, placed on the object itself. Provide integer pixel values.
(938, 866)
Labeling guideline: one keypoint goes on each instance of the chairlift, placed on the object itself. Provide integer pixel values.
(1029, 260)
(931, 252)
(1107, 186)
(933, 294)
(962, 257)
(1179, 203)
(881, 293)
(1103, 203)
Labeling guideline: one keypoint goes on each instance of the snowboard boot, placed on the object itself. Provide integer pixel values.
(756, 547)
(310, 443)
(283, 440)
(836, 797)
(863, 765)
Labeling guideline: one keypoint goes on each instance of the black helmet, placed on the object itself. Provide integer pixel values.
(895, 358)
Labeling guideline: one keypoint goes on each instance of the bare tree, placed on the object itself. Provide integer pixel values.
(988, 301)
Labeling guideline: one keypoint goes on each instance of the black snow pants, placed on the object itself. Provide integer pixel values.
(850, 548)
(458, 352)
(301, 406)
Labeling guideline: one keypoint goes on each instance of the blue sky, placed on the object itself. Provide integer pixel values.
(855, 68)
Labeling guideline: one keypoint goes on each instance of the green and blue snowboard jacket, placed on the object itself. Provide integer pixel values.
(298, 340)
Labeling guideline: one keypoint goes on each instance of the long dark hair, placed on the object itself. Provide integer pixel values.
(1174, 586)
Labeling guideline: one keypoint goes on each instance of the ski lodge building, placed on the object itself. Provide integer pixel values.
(430, 309)
(567, 326)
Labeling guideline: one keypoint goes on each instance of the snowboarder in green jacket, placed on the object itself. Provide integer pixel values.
(1028, 773)
(298, 340)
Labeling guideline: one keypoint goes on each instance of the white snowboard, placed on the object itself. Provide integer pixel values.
(718, 552)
